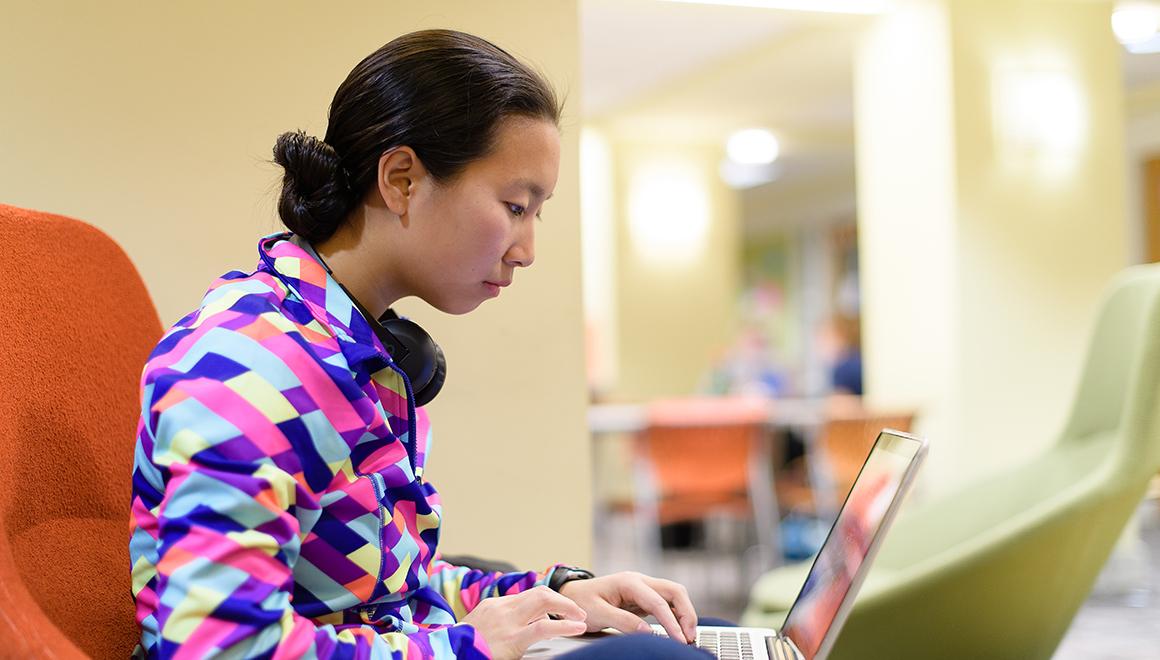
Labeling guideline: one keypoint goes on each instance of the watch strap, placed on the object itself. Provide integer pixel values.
(562, 575)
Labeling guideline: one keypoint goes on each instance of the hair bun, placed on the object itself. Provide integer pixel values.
(315, 193)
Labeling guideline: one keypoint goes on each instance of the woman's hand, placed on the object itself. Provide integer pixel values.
(619, 600)
(510, 624)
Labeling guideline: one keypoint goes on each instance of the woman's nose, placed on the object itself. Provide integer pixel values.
(523, 251)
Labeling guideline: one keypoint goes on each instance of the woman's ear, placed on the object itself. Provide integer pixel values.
(399, 170)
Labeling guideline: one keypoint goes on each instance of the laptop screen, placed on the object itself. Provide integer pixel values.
(846, 548)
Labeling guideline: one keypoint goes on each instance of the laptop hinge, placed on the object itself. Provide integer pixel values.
(781, 648)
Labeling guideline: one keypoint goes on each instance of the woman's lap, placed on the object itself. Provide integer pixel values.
(643, 647)
(637, 647)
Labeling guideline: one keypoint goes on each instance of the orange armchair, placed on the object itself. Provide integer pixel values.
(77, 327)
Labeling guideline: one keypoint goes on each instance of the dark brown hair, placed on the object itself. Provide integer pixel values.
(441, 92)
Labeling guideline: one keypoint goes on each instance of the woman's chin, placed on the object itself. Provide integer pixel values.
(455, 307)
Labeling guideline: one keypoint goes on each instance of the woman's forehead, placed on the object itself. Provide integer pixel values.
(526, 156)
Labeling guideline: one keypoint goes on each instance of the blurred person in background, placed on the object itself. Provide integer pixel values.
(846, 372)
(746, 368)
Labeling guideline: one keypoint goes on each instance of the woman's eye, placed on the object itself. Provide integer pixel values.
(516, 209)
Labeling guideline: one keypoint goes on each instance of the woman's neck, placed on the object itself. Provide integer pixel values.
(352, 258)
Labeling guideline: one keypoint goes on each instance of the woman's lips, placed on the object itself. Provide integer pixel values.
(494, 287)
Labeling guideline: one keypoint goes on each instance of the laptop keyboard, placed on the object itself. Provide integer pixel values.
(725, 644)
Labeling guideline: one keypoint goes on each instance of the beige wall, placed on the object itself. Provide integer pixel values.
(905, 191)
(1039, 237)
(155, 123)
(984, 251)
(674, 317)
(797, 204)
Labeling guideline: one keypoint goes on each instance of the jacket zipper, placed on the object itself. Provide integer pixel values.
(412, 442)
(380, 486)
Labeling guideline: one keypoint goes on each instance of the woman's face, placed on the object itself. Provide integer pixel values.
(468, 235)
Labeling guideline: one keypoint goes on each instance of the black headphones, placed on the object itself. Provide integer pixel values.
(411, 348)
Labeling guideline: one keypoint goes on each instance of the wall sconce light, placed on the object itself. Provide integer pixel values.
(668, 212)
(1039, 116)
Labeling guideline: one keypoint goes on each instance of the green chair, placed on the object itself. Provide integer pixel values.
(999, 568)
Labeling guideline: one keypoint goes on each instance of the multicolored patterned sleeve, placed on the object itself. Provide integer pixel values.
(465, 587)
(231, 519)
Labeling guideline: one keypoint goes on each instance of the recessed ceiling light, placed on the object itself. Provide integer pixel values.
(740, 177)
(1135, 22)
(752, 146)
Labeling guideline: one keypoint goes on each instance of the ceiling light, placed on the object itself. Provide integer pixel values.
(1135, 22)
(741, 177)
(752, 146)
(824, 6)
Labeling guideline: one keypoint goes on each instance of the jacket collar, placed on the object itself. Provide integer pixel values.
(320, 293)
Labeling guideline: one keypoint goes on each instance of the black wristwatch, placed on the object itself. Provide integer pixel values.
(564, 574)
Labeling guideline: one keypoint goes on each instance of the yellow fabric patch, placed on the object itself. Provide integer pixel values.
(391, 380)
(352, 635)
(286, 623)
(143, 571)
(332, 619)
(184, 445)
(254, 540)
(263, 396)
(451, 580)
(288, 266)
(366, 558)
(191, 612)
(320, 332)
(279, 321)
(223, 302)
(399, 577)
(397, 642)
(281, 485)
(313, 331)
(345, 468)
(427, 521)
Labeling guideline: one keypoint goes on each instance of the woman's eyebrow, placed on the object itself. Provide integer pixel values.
(534, 188)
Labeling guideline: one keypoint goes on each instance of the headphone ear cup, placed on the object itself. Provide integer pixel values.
(421, 358)
(427, 393)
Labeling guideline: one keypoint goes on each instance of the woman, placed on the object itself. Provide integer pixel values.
(279, 505)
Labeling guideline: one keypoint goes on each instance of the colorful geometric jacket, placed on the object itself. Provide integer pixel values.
(279, 507)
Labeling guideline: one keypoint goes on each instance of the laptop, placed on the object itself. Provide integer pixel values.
(825, 600)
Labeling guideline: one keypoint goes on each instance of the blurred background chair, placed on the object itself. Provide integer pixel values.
(840, 448)
(701, 459)
(78, 327)
(1000, 567)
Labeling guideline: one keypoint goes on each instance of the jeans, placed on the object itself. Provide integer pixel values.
(643, 647)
